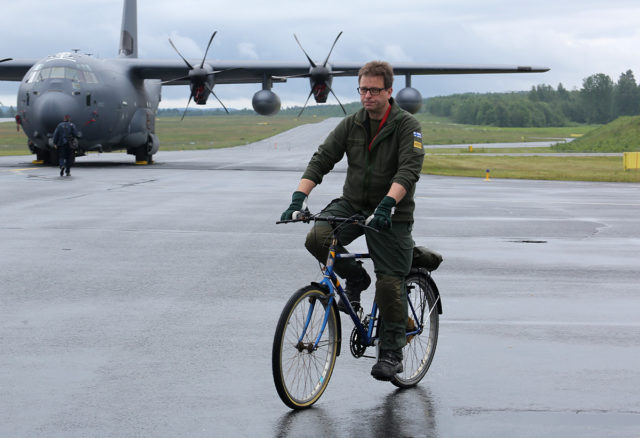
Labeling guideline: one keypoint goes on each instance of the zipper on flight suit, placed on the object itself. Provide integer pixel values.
(380, 135)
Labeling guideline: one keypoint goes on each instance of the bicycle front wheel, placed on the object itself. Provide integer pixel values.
(421, 347)
(302, 365)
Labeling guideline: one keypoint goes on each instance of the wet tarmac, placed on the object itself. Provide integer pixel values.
(142, 301)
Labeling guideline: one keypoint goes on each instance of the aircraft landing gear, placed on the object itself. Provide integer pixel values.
(47, 156)
(143, 156)
(144, 153)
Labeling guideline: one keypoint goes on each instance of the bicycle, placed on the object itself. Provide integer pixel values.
(308, 336)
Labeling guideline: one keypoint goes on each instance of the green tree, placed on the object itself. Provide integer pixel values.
(597, 96)
(562, 92)
(626, 98)
(542, 93)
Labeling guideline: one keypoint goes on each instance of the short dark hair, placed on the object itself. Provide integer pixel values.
(378, 68)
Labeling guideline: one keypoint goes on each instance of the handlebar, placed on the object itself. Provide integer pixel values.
(306, 217)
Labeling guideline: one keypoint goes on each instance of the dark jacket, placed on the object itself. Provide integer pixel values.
(63, 132)
(396, 156)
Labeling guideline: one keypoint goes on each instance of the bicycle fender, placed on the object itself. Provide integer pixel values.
(337, 313)
(427, 276)
(436, 292)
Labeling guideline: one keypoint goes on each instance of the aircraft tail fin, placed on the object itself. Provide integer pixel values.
(129, 33)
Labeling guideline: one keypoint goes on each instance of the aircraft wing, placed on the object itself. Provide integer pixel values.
(241, 72)
(15, 70)
(422, 69)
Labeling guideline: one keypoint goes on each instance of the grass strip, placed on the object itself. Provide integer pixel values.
(222, 131)
(188, 134)
(440, 130)
(605, 169)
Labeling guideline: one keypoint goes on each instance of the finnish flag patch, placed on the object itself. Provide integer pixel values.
(417, 140)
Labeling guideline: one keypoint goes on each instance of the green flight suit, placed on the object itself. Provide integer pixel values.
(396, 155)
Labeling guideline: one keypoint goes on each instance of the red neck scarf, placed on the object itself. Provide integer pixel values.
(384, 119)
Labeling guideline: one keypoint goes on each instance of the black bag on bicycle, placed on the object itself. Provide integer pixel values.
(426, 258)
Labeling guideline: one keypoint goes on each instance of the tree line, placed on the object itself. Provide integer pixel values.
(599, 101)
(7, 112)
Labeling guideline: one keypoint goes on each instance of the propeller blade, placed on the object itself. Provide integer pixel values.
(303, 75)
(179, 54)
(214, 95)
(334, 44)
(5, 59)
(185, 110)
(313, 64)
(305, 103)
(175, 80)
(207, 51)
(334, 95)
(215, 72)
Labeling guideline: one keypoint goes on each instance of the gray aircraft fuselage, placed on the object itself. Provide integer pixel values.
(111, 109)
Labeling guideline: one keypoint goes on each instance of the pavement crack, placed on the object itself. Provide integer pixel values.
(478, 410)
(132, 184)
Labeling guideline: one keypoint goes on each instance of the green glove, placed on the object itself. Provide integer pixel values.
(297, 201)
(381, 217)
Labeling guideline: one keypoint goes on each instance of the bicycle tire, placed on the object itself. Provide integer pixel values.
(301, 375)
(421, 348)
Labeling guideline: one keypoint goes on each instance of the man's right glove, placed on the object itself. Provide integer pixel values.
(297, 201)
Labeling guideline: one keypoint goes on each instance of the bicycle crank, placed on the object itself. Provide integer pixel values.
(355, 342)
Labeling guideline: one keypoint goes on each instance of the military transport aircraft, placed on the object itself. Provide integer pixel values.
(113, 102)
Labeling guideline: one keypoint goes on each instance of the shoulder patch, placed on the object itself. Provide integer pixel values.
(417, 140)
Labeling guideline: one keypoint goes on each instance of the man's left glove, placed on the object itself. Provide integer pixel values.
(297, 201)
(381, 217)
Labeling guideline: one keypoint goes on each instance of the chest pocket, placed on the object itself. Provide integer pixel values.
(384, 157)
(356, 152)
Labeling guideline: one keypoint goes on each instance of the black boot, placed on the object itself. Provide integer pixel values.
(354, 288)
(389, 364)
(61, 170)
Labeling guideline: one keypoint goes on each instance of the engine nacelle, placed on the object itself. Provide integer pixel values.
(266, 102)
(320, 81)
(409, 99)
(201, 82)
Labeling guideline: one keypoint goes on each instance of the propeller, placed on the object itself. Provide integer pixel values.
(5, 59)
(200, 78)
(320, 77)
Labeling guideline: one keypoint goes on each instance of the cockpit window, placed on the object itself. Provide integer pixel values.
(89, 76)
(79, 73)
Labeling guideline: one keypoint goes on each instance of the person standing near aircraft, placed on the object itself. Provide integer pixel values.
(383, 144)
(63, 137)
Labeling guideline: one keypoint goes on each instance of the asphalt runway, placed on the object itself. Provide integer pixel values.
(142, 301)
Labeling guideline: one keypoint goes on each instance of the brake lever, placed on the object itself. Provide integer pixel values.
(298, 216)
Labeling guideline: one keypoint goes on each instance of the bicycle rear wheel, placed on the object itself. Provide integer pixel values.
(421, 347)
(301, 372)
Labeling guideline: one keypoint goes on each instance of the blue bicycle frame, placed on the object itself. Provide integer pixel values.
(331, 282)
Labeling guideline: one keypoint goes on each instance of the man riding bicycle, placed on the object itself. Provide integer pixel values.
(383, 144)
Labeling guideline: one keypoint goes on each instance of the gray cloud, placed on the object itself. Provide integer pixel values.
(574, 38)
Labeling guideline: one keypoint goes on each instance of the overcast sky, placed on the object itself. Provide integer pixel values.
(574, 38)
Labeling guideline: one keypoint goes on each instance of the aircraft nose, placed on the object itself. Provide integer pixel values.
(50, 108)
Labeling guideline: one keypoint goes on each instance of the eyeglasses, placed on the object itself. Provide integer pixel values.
(374, 91)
